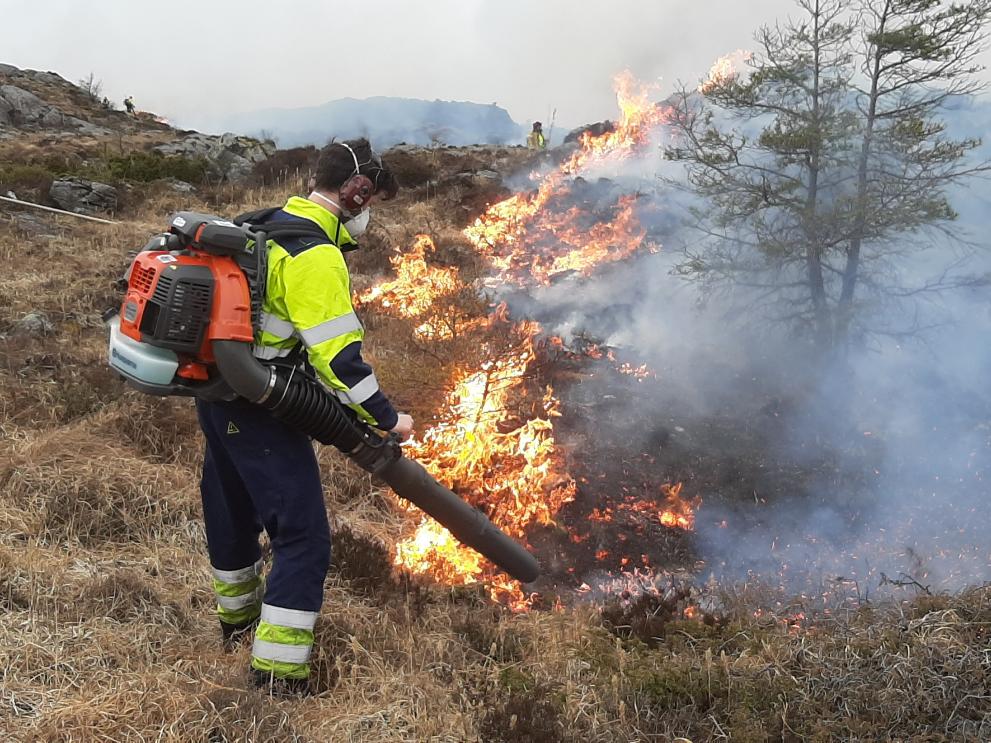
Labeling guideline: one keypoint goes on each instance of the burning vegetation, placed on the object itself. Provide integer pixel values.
(494, 440)
(531, 237)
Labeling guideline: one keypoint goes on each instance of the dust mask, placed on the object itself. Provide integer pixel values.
(357, 225)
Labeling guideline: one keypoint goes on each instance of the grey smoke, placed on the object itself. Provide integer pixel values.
(385, 121)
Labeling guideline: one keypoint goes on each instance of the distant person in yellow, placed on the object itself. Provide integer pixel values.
(129, 105)
(536, 140)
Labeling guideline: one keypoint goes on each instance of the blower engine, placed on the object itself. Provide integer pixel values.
(185, 327)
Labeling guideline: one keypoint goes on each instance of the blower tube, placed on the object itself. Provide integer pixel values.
(300, 401)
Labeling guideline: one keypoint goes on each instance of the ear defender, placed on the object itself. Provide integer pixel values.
(358, 189)
(356, 192)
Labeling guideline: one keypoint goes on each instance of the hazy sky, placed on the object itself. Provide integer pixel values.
(195, 60)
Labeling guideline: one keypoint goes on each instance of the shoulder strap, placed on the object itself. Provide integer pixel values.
(258, 216)
(274, 232)
(257, 220)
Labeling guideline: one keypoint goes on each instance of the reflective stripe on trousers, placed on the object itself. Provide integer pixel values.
(283, 641)
(239, 593)
(237, 576)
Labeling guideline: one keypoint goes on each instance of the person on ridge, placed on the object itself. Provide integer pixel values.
(259, 473)
(535, 140)
(129, 105)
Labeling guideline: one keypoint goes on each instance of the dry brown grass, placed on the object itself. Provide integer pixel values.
(106, 625)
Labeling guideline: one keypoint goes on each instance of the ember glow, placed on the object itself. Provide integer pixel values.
(675, 512)
(641, 372)
(679, 512)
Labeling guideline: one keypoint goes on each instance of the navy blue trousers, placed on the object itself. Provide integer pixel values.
(259, 473)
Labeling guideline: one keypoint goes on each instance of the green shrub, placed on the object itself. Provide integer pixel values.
(139, 167)
(148, 166)
(14, 177)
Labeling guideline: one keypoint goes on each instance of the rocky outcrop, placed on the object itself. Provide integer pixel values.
(231, 157)
(40, 76)
(480, 178)
(416, 166)
(83, 197)
(177, 186)
(22, 109)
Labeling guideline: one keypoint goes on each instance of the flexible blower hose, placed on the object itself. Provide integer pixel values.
(300, 401)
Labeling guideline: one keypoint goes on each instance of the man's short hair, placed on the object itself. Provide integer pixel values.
(336, 165)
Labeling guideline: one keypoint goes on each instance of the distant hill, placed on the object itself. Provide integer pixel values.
(385, 120)
(51, 129)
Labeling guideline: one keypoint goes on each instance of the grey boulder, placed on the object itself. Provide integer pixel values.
(22, 109)
(34, 324)
(231, 156)
(83, 197)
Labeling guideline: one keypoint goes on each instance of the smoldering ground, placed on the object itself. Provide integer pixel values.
(830, 478)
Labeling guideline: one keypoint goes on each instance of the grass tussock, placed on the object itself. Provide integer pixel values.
(126, 596)
(89, 490)
(161, 430)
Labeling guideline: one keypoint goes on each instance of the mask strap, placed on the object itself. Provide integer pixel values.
(375, 159)
(354, 156)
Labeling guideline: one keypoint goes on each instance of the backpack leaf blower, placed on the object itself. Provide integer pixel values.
(185, 327)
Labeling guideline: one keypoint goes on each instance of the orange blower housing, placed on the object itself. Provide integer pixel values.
(185, 290)
(185, 302)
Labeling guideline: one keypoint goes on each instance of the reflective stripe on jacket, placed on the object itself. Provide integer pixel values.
(308, 300)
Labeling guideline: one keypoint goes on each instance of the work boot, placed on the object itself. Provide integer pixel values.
(232, 635)
(279, 686)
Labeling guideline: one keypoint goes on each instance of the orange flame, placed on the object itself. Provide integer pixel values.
(725, 69)
(417, 284)
(509, 230)
(679, 513)
(509, 468)
(489, 444)
(415, 292)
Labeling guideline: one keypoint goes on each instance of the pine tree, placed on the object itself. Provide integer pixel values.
(915, 56)
(829, 151)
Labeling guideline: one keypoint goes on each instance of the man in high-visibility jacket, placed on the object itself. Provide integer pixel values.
(259, 473)
(535, 140)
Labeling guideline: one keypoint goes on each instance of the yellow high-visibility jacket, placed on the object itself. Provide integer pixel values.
(536, 141)
(308, 301)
